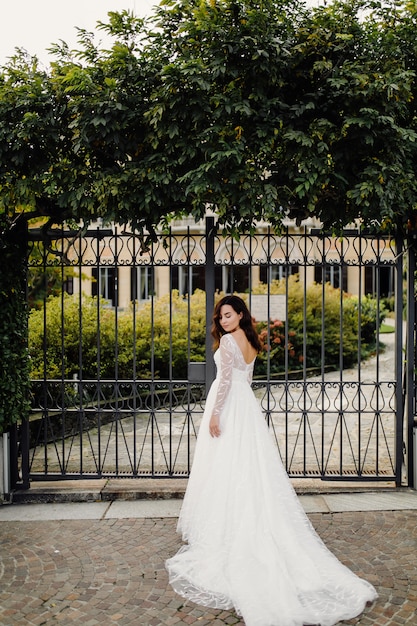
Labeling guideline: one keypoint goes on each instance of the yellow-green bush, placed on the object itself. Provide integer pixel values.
(161, 337)
(91, 342)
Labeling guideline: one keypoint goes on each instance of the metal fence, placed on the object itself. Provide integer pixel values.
(122, 358)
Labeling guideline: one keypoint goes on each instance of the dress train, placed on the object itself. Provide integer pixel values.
(250, 546)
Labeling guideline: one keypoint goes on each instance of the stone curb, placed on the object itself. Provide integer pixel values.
(109, 490)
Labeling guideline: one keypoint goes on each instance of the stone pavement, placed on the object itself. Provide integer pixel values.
(163, 441)
(94, 563)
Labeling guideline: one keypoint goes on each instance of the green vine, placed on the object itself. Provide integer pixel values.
(14, 359)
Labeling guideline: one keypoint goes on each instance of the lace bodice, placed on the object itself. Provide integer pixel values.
(231, 365)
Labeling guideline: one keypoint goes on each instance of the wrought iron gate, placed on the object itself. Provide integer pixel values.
(119, 338)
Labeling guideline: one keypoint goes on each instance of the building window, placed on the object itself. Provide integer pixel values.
(68, 285)
(105, 283)
(334, 274)
(268, 273)
(188, 278)
(141, 282)
(232, 278)
(385, 274)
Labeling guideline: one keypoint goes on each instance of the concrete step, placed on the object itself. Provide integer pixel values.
(112, 489)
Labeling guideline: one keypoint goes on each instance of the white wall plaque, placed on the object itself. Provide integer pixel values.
(277, 307)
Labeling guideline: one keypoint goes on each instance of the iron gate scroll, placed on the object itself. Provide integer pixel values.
(118, 401)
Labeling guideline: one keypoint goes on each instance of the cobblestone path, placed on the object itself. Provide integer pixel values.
(103, 572)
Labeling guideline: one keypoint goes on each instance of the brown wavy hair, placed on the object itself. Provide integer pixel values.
(246, 322)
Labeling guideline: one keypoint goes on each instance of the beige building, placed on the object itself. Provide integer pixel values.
(113, 266)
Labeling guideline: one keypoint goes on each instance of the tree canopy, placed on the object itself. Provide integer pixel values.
(259, 109)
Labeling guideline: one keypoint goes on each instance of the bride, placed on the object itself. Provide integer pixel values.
(250, 545)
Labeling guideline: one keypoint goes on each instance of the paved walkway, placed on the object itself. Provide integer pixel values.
(365, 437)
(102, 563)
(95, 553)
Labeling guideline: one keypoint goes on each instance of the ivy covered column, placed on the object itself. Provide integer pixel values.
(14, 361)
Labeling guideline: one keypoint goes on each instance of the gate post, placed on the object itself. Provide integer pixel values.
(4, 467)
(411, 359)
(400, 389)
(210, 289)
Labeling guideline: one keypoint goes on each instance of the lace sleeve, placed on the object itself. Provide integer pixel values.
(226, 367)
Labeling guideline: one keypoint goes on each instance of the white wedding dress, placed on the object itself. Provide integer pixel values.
(250, 545)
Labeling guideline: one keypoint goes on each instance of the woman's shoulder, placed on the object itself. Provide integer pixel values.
(227, 340)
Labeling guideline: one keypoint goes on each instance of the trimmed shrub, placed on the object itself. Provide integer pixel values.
(331, 336)
(73, 346)
(159, 340)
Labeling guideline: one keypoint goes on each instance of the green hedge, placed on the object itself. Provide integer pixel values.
(14, 362)
(171, 349)
(79, 342)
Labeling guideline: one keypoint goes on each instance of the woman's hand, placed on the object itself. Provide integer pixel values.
(214, 427)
